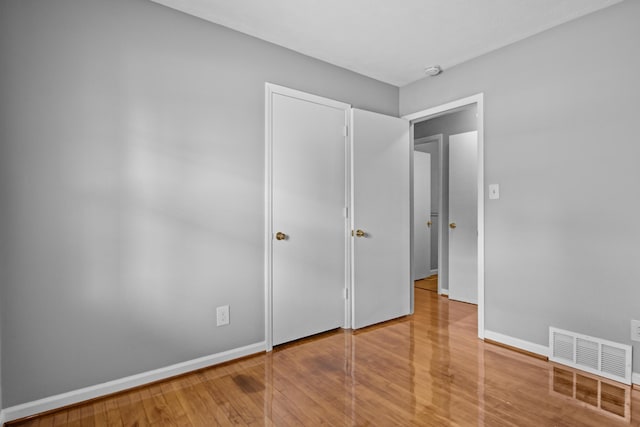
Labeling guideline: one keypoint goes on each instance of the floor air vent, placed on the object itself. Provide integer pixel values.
(597, 356)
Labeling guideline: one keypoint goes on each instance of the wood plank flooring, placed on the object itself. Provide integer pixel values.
(429, 283)
(428, 369)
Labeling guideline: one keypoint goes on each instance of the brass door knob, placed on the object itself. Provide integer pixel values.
(360, 233)
(280, 235)
(429, 223)
(452, 225)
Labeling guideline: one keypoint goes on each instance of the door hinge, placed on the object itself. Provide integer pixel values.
(346, 212)
(345, 131)
(346, 293)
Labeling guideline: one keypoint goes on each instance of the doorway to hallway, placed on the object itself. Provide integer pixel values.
(458, 260)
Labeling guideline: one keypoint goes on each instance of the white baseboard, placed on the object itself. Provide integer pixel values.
(2, 420)
(444, 292)
(635, 378)
(434, 271)
(99, 390)
(542, 350)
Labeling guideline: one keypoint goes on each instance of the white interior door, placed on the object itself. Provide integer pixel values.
(463, 217)
(308, 164)
(421, 215)
(380, 175)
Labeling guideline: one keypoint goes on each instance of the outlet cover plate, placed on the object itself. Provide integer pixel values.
(222, 315)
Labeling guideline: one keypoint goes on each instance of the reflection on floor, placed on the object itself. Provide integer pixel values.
(428, 369)
(592, 392)
(429, 283)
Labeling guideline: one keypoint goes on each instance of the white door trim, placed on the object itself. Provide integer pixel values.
(270, 90)
(442, 227)
(477, 99)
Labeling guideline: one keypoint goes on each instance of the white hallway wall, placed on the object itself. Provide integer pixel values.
(132, 186)
(561, 115)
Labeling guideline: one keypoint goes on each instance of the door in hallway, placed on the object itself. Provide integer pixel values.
(421, 215)
(463, 217)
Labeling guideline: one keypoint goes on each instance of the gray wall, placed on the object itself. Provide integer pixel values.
(561, 134)
(133, 170)
(460, 121)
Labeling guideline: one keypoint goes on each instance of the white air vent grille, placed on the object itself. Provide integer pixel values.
(587, 353)
(613, 360)
(563, 346)
(595, 355)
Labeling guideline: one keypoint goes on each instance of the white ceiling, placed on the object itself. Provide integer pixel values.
(392, 41)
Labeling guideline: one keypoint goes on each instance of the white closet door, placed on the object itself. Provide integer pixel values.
(381, 217)
(308, 200)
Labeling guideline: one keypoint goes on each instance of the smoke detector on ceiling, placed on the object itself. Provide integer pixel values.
(433, 70)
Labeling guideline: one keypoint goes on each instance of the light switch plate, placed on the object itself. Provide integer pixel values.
(494, 191)
(635, 330)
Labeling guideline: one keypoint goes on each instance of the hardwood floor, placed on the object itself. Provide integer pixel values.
(428, 369)
(429, 283)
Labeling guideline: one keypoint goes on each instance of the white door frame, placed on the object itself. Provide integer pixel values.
(439, 139)
(270, 90)
(419, 116)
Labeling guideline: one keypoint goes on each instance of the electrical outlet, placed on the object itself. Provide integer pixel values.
(635, 330)
(222, 315)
